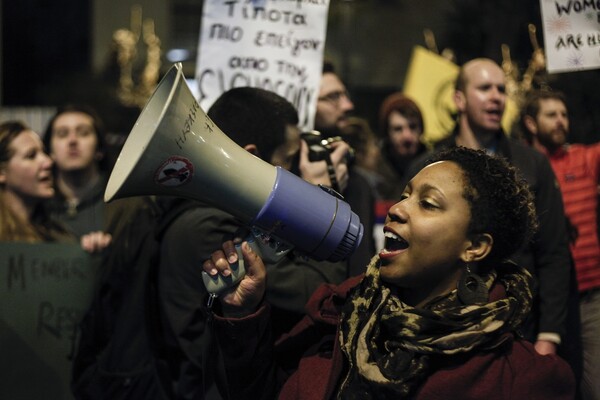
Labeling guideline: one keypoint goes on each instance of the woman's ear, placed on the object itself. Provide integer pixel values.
(480, 247)
(2, 175)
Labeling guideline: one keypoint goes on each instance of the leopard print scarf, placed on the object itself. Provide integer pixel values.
(389, 344)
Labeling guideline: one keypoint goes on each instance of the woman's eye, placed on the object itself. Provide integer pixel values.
(427, 205)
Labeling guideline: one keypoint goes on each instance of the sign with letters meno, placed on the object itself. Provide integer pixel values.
(276, 45)
(45, 289)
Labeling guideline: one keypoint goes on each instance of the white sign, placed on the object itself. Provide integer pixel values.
(571, 34)
(275, 45)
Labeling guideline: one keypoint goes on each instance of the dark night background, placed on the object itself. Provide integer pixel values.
(47, 48)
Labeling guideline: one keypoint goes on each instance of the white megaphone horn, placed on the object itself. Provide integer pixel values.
(175, 149)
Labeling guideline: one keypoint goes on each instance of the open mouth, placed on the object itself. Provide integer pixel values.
(495, 113)
(394, 242)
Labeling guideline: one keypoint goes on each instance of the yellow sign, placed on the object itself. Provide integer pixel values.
(430, 83)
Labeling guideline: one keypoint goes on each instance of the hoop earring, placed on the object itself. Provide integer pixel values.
(471, 288)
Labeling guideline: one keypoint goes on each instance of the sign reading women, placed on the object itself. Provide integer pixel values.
(275, 45)
(571, 34)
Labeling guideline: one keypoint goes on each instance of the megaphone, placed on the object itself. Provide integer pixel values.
(175, 149)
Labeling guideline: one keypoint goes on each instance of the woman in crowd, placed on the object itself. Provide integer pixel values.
(25, 183)
(436, 316)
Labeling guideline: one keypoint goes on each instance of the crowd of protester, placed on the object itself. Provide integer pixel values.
(481, 280)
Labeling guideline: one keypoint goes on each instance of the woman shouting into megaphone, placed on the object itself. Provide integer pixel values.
(436, 315)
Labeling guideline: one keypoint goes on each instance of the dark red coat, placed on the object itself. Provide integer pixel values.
(310, 362)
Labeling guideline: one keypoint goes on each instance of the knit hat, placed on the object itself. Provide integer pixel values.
(405, 106)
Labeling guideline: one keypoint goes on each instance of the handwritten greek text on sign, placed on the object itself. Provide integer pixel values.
(275, 45)
(571, 34)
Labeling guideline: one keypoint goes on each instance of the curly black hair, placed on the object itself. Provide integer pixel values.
(500, 200)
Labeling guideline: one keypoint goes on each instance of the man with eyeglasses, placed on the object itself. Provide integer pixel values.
(334, 106)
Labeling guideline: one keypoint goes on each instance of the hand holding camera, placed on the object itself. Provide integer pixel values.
(324, 161)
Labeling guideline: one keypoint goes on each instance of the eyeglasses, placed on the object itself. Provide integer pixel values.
(335, 97)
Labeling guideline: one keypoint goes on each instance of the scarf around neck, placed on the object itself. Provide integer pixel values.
(388, 343)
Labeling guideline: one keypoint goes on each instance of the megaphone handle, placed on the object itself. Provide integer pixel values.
(216, 284)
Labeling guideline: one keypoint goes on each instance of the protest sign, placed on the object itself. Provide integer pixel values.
(571, 34)
(430, 83)
(44, 291)
(275, 45)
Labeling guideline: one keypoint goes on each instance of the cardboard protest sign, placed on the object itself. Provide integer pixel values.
(45, 289)
(571, 34)
(275, 45)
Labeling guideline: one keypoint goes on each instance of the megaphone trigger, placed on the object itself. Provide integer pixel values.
(270, 248)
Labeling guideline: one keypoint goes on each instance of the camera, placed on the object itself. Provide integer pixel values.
(320, 147)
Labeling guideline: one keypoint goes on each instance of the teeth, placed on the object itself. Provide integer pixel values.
(391, 235)
(394, 242)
